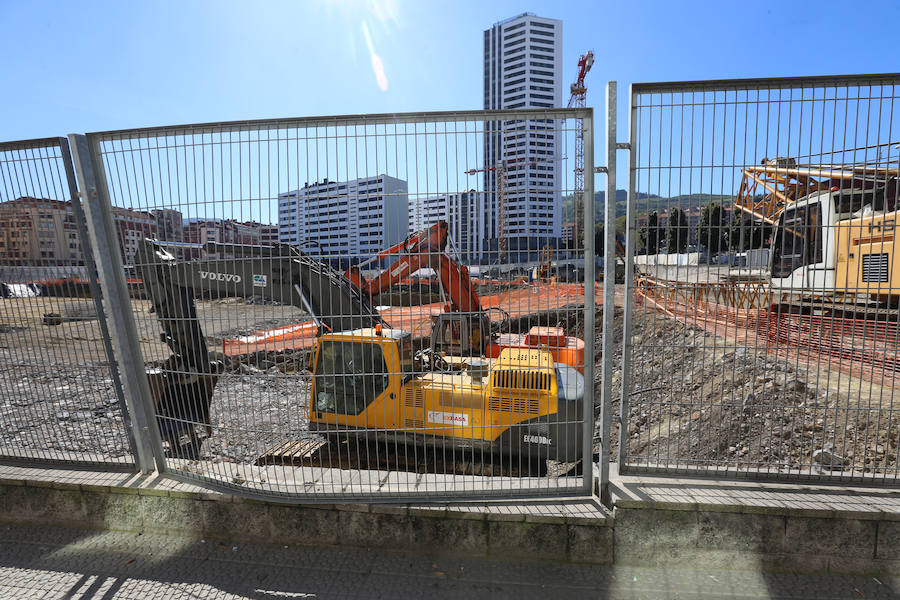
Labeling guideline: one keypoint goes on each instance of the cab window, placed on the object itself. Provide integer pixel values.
(349, 376)
(798, 240)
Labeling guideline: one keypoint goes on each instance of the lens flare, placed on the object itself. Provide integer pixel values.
(377, 64)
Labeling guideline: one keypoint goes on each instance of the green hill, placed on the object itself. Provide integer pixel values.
(646, 203)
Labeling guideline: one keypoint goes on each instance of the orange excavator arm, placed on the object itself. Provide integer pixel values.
(426, 248)
(458, 285)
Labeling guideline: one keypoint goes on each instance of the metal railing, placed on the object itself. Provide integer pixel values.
(761, 319)
(388, 307)
(312, 345)
(62, 400)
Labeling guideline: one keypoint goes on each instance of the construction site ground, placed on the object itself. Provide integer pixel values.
(702, 398)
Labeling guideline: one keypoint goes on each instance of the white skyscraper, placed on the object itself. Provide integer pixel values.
(523, 69)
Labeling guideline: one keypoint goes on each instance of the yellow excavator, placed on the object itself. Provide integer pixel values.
(369, 382)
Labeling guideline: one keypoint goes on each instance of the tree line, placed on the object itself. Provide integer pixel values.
(716, 232)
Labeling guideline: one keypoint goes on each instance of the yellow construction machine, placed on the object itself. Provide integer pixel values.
(833, 243)
(369, 381)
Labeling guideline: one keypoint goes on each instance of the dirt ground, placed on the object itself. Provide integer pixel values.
(697, 399)
(57, 391)
(700, 401)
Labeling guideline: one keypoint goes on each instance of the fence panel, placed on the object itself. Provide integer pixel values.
(761, 331)
(385, 306)
(60, 393)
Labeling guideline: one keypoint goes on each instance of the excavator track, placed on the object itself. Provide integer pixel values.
(359, 454)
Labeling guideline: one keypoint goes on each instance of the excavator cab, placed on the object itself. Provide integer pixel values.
(460, 334)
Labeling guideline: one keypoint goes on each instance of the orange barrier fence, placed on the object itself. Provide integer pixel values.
(865, 348)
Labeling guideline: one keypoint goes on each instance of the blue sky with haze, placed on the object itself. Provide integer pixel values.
(94, 66)
(89, 66)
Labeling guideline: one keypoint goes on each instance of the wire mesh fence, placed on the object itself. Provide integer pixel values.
(60, 397)
(762, 320)
(379, 306)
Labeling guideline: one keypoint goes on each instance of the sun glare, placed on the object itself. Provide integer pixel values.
(377, 64)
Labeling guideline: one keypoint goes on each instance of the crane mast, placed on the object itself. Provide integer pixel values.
(577, 100)
(501, 169)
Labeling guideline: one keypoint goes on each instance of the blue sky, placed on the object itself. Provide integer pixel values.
(96, 66)
(89, 66)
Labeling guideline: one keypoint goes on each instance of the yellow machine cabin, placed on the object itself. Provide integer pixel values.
(838, 243)
(370, 383)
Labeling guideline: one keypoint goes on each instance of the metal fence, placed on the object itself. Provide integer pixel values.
(761, 322)
(389, 307)
(357, 307)
(60, 395)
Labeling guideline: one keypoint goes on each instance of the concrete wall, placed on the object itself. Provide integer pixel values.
(437, 530)
(641, 532)
(768, 540)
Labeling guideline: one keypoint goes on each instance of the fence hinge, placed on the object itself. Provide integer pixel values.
(623, 145)
(601, 170)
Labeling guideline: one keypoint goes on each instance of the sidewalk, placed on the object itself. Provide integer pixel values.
(50, 563)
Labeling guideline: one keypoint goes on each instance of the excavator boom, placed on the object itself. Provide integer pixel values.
(182, 387)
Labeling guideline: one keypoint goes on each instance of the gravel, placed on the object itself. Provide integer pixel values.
(701, 401)
(67, 409)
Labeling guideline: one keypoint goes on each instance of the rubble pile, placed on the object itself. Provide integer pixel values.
(697, 401)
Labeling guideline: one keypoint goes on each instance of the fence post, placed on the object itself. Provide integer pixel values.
(609, 289)
(91, 267)
(590, 261)
(101, 229)
(629, 288)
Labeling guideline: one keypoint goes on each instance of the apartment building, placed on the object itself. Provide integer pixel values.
(43, 232)
(37, 232)
(169, 224)
(268, 235)
(344, 221)
(133, 227)
(460, 210)
(523, 69)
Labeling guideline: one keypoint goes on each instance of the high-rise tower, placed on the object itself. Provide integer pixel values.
(522, 69)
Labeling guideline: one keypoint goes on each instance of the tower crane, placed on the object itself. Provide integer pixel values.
(577, 100)
(501, 169)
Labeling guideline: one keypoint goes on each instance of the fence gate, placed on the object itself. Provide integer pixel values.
(761, 322)
(60, 396)
(361, 307)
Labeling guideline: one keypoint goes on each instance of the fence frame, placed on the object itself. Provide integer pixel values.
(123, 332)
(74, 199)
(91, 174)
(711, 471)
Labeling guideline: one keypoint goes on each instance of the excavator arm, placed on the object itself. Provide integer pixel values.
(464, 327)
(426, 248)
(280, 273)
(183, 385)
